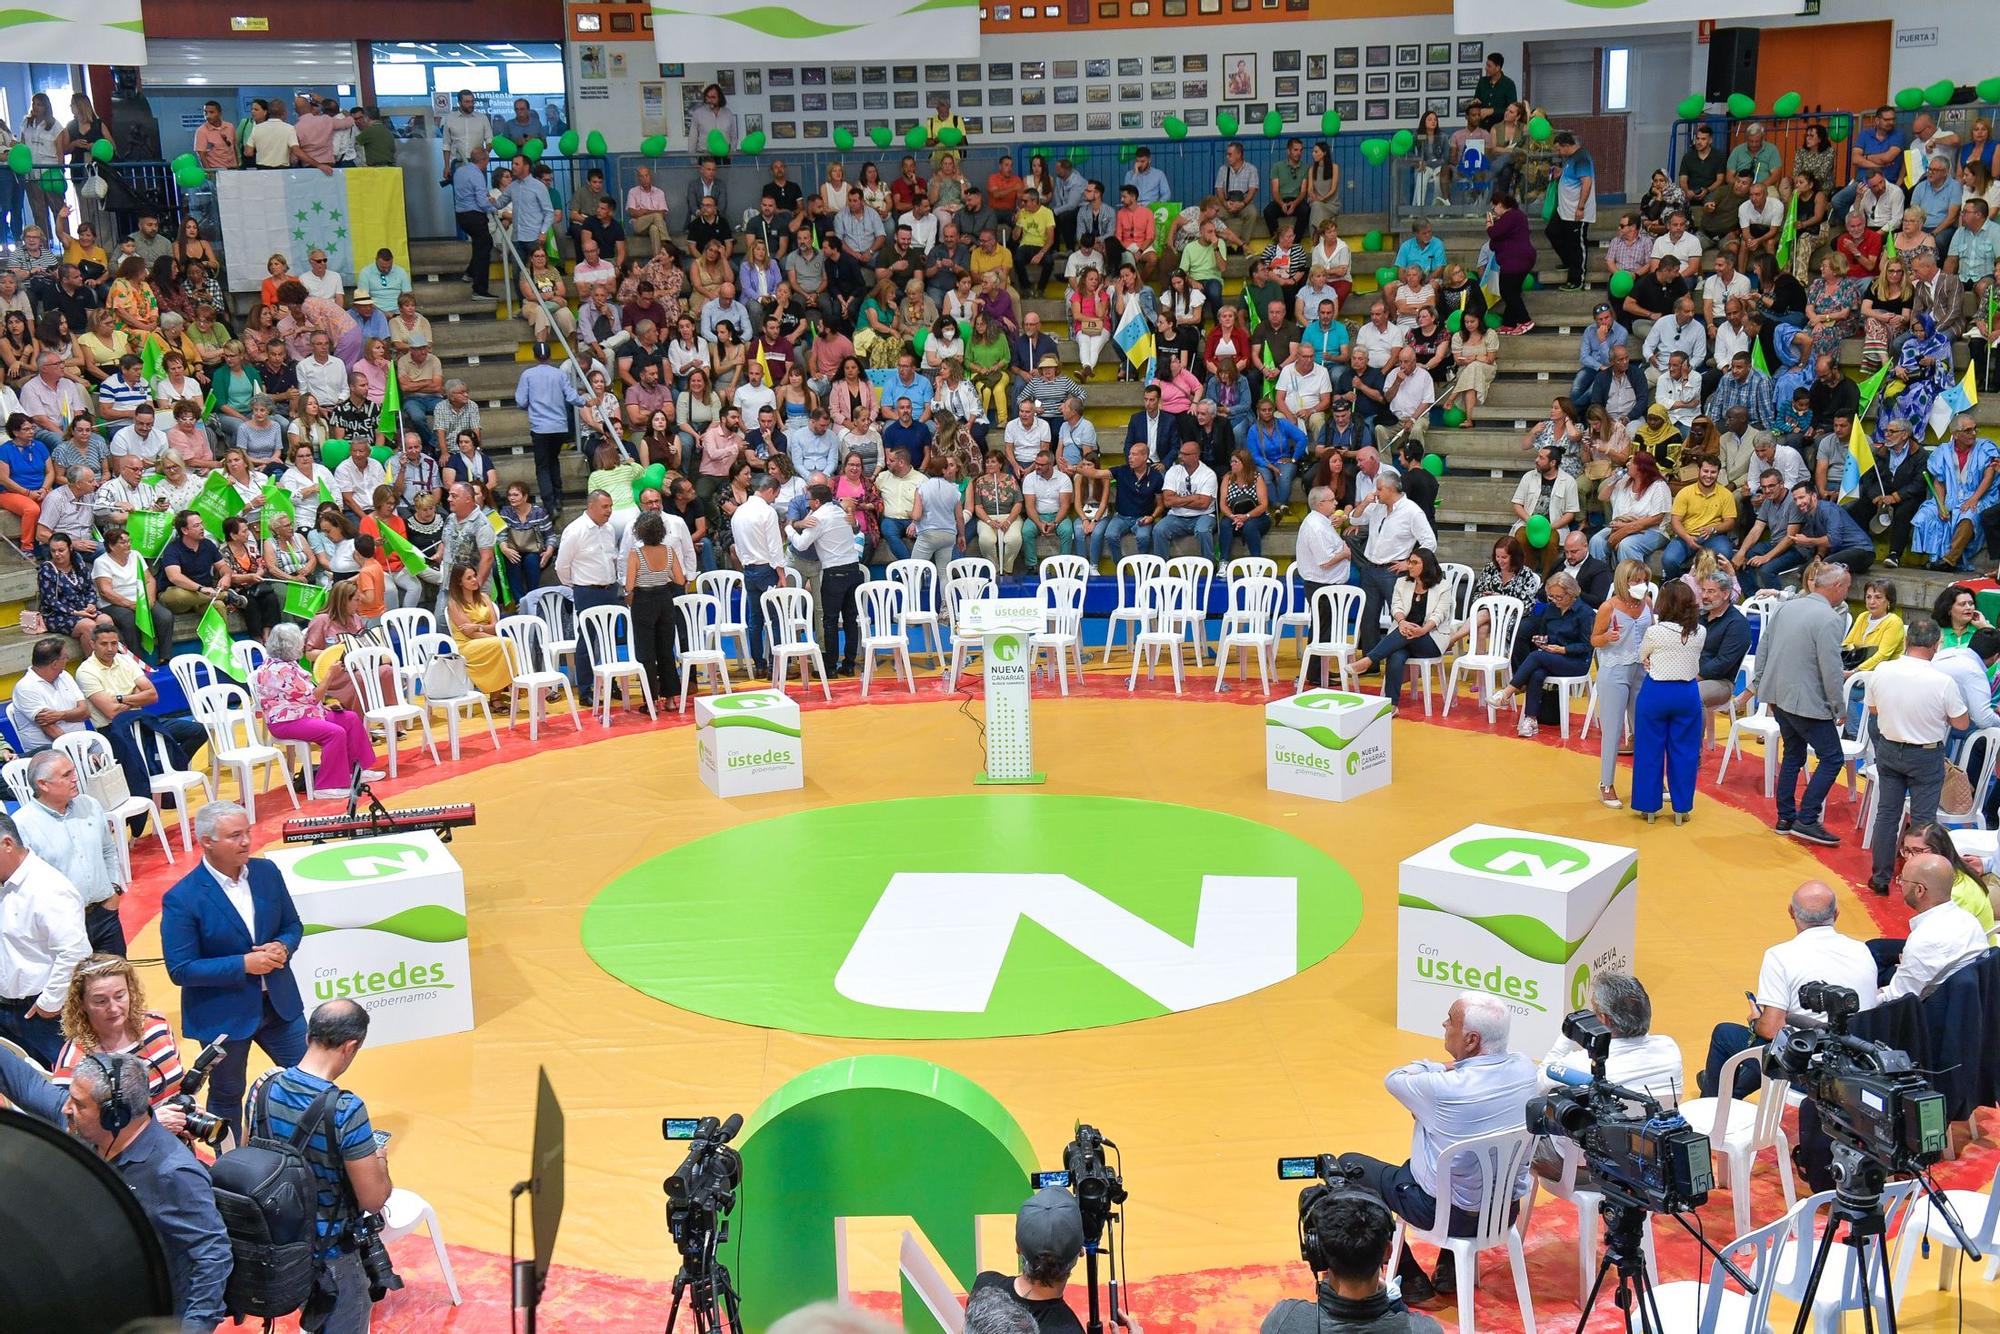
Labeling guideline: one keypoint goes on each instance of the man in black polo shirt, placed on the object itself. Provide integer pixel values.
(1653, 294)
(1135, 498)
(1701, 167)
(1832, 394)
(771, 227)
(709, 225)
(194, 574)
(281, 380)
(606, 230)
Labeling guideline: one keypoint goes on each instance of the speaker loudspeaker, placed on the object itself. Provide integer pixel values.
(1732, 63)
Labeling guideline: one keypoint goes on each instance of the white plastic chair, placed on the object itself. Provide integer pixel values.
(1984, 746)
(788, 633)
(1978, 1212)
(1165, 604)
(405, 1212)
(533, 668)
(235, 743)
(732, 616)
(1489, 650)
(1764, 727)
(1296, 618)
(91, 753)
(1061, 635)
(1454, 593)
(1714, 1307)
(701, 646)
(1249, 567)
(1339, 607)
(1589, 1204)
(1250, 625)
(959, 590)
(455, 707)
(1739, 1130)
(1062, 567)
(181, 783)
(1133, 573)
(1839, 1288)
(921, 613)
(1567, 689)
(391, 710)
(193, 674)
(880, 605)
(971, 567)
(406, 627)
(555, 606)
(606, 633)
(1500, 1156)
(15, 775)
(1191, 619)
(248, 655)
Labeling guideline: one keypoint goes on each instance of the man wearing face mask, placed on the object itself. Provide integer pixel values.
(105, 1109)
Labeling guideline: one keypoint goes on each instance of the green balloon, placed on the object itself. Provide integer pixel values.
(653, 145)
(381, 453)
(753, 142)
(1434, 464)
(1330, 122)
(333, 453)
(1454, 416)
(21, 159)
(1401, 142)
(880, 136)
(653, 478)
(1839, 127)
(1274, 124)
(1909, 99)
(717, 143)
(102, 150)
(1126, 152)
(917, 137)
(533, 150)
(569, 143)
(1175, 127)
(593, 143)
(1621, 284)
(1492, 319)
(53, 183)
(1385, 275)
(1690, 106)
(1375, 151)
(1538, 531)
(1528, 282)
(843, 138)
(505, 147)
(1742, 105)
(1226, 122)
(189, 175)
(1989, 89)
(1455, 321)
(951, 136)
(1788, 105)
(1939, 94)
(1372, 241)
(1540, 130)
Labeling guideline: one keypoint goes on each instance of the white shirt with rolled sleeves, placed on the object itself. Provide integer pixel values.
(760, 538)
(587, 555)
(1395, 532)
(1816, 954)
(1200, 482)
(830, 539)
(1321, 557)
(1651, 1064)
(1913, 702)
(1304, 393)
(1942, 940)
(1413, 395)
(324, 380)
(359, 482)
(42, 937)
(32, 695)
(1450, 1104)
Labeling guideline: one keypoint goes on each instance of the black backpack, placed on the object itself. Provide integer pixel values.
(268, 1196)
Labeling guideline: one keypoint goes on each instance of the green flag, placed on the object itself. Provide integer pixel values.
(142, 610)
(1789, 234)
(1869, 388)
(213, 632)
(150, 530)
(325, 493)
(1888, 246)
(1270, 374)
(150, 356)
(399, 546)
(1757, 361)
(303, 600)
(277, 500)
(216, 501)
(392, 403)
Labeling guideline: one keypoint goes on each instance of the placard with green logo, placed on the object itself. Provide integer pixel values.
(749, 742)
(1333, 745)
(1519, 914)
(384, 925)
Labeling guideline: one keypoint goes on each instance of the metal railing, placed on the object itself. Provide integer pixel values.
(1788, 133)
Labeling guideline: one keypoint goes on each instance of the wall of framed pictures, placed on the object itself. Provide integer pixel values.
(1378, 74)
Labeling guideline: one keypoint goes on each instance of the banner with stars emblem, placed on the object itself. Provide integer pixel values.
(350, 215)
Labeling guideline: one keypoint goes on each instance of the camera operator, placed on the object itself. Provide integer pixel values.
(1481, 1089)
(105, 1107)
(1355, 1235)
(353, 1172)
(1943, 936)
(1048, 1233)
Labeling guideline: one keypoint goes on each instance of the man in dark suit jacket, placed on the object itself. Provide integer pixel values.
(1153, 427)
(228, 929)
(1898, 472)
(1592, 575)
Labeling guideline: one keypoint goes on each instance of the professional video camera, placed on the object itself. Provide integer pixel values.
(1651, 1156)
(201, 1126)
(699, 1193)
(1870, 1096)
(1099, 1187)
(376, 1265)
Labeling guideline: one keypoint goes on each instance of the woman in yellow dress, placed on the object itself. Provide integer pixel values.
(473, 620)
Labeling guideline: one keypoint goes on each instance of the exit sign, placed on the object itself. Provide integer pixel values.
(240, 23)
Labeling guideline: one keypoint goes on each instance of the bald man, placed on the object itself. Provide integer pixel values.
(1815, 953)
(1943, 936)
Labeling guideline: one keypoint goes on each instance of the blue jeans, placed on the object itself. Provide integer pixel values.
(1251, 533)
(757, 581)
(1679, 555)
(896, 533)
(283, 1040)
(524, 575)
(417, 410)
(1176, 526)
(1392, 652)
(1278, 478)
(1767, 575)
(1797, 734)
(1726, 1041)
(1640, 546)
(1542, 664)
(1109, 538)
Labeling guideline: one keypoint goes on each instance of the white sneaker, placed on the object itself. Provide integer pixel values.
(372, 775)
(326, 794)
(1527, 727)
(1497, 700)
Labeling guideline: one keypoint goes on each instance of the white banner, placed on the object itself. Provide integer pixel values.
(1475, 17)
(62, 32)
(747, 32)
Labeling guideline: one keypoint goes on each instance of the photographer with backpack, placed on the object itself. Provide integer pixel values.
(304, 1109)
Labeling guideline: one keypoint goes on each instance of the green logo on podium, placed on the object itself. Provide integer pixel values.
(1520, 857)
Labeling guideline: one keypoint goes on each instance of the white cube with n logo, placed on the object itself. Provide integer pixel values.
(1518, 914)
(384, 925)
(1329, 744)
(749, 742)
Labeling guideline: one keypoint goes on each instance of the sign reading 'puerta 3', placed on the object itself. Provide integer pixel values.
(899, 939)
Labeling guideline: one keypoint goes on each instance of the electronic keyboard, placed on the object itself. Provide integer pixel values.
(440, 820)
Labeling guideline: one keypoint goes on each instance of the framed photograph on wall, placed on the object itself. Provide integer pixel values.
(999, 71)
(1378, 83)
(1409, 108)
(1165, 65)
(1378, 56)
(753, 83)
(1437, 80)
(780, 76)
(1316, 67)
(1127, 120)
(1173, 9)
(784, 129)
(814, 129)
(1409, 54)
(1285, 62)
(1065, 122)
(1288, 112)
(1165, 90)
(847, 101)
(1097, 120)
(1034, 69)
(1097, 93)
(1194, 64)
(903, 73)
(1064, 69)
(1066, 95)
(1468, 79)
(1377, 108)
(1409, 81)
(1131, 92)
(813, 76)
(1130, 67)
(842, 75)
(1034, 97)
(1474, 51)
(1346, 85)
(1194, 90)
(874, 74)
(1347, 57)
(1002, 124)
(1348, 109)
(1437, 53)
(975, 125)
(1285, 85)
(1159, 118)
(1441, 105)
(1239, 75)
(1209, 7)
(875, 99)
(1196, 117)
(813, 102)
(999, 97)
(1034, 124)
(1316, 102)
(1107, 9)
(1097, 69)
(968, 72)
(1253, 112)
(906, 99)
(972, 97)
(1238, 6)
(784, 104)
(937, 74)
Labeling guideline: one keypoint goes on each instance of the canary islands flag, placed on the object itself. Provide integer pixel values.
(1959, 398)
(1860, 460)
(1134, 335)
(350, 215)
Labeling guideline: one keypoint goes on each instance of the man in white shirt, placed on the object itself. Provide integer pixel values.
(1547, 490)
(1681, 243)
(357, 477)
(1396, 527)
(42, 940)
(753, 393)
(1047, 495)
(140, 437)
(322, 281)
(1759, 217)
(1379, 337)
(1943, 936)
(1815, 953)
(1718, 287)
(587, 562)
(1639, 1058)
(1734, 334)
(322, 374)
(827, 534)
(1681, 332)
(646, 208)
(1027, 436)
(1679, 390)
(760, 546)
(1915, 708)
(1881, 202)
(46, 702)
(117, 498)
(1304, 390)
(1482, 1089)
(1321, 561)
(1189, 497)
(1410, 393)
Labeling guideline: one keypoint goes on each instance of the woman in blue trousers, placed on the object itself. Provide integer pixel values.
(1667, 723)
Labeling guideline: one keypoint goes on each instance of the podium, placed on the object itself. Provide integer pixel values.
(1327, 744)
(384, 925)
(1520, 915)
(1003, 626)
(749, 742)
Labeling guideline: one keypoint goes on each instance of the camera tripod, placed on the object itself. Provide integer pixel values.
(1625, 1251)
(705, 1282)
(1857, 1203)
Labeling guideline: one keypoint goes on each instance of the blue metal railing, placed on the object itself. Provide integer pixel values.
(1788, 133)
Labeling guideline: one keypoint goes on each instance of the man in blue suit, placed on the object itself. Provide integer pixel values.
(1157, 430)
(228, 929)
